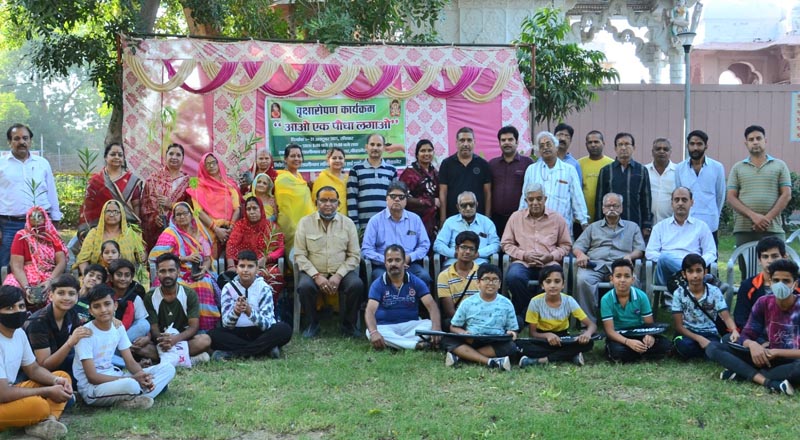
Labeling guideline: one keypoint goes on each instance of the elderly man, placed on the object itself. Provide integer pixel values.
(600, 244)
(559, 180)
(662, 179)
(464, 171)
(534, 237)
(26, 180)
(367, 183)
(396, 225)
(467, 219)
(675, 237)
(327, 254)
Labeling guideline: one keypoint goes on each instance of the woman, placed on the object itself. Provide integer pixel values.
(264, 191)
(422, 180)
(163, 189)
(263, 164)
(113, 182)
(216, 200)
(38, 256)
(114, 226)
(333, 176)
(191, 242)
(292, 193)
(256, 233)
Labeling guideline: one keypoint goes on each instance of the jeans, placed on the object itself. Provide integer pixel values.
(517, 281)
(689, 349)
(621, 353)
(742, 364)
(10, 228)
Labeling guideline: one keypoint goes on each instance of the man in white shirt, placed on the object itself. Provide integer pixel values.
(25, 180)
(662, 179)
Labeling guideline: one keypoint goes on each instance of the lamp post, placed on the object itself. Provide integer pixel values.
(686, 39)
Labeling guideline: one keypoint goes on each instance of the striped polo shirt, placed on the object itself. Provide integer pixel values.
(759, 189)
(366, 191)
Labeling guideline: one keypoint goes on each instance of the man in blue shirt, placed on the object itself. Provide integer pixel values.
(467, 219)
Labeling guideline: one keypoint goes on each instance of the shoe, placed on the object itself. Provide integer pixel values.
(422, 346)
(780, 387)
(275, 353)
(578, 360)
(138, 402)
(47, 429)
(312, 331)
(501, 363)
(450, 359)
(200, 358)
(727, 375)
(525, 361)
(220, 355)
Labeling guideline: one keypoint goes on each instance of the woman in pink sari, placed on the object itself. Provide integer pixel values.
(216, 200)
(113, 182)
(163, 189)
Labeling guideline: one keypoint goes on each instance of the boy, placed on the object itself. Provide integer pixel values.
(249, 327)
(99, 382)
(130, 306)
(483, 314)
(29, 404)
(625, 307)
(93, 275)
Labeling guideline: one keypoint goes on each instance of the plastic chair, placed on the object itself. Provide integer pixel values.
(438, 263)
(658, 293)
(747, 252)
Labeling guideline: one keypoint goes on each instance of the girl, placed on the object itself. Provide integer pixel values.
(109, 251)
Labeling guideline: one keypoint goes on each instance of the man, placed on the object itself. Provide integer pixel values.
(675, 237)
(467, 219)
(662, 179)
(559, 180)
(464, 171)
(591, 166)
(396, 225)
(25, 180)
(366, 186)
(600, 244)
(564, 134)
(533, 238)
(457, 282)
(705, 177)
(392, 314)
(629, 179)
(508, 174)
(759, 188)
(173, 311)
(327, 254)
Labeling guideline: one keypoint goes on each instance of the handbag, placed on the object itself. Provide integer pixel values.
(719, 323)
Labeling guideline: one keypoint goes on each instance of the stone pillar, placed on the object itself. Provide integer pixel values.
(792, 55)
(677, 70)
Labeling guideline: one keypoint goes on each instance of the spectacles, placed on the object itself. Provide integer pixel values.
(113, 212)
(611, 206)
(397, 196)
(626, 145)
(324, 201)
(494, 281)
(466, 248)
(467, 205)
(181, 214)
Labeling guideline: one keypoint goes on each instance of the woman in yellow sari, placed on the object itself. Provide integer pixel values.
(335, 177)
(292, 194)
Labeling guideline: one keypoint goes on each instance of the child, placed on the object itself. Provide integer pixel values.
(695, 308)
(28, 404)
(99, 382)
(93, 275)
(625, 307)
(483, 314)
(129, 295)
(548, 318)
(249, 327)
(109, 252)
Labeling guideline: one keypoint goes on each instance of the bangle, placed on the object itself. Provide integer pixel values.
(372, 332)
(626, 342)
(55, 380)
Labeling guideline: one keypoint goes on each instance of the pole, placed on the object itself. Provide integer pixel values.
(686, 99)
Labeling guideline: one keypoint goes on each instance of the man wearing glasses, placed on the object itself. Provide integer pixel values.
(467, 219)
(396, 225)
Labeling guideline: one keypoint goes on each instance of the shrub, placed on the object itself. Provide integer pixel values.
(71, 190)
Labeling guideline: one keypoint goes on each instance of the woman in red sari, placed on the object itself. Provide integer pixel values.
(262, 165)
(216, 200)
(256, 233)
(113, 182)
(422, 180)
(162, 190)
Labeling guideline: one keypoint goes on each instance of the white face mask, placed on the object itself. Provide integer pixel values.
(781, 291)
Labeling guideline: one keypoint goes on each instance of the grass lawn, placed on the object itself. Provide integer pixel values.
(340, 388)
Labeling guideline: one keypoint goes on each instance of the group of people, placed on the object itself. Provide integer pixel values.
(465, 213)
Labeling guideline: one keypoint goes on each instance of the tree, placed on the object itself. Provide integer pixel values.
(12, 110)
(566, 74)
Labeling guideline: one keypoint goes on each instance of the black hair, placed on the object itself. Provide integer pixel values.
(327, 188)
(114, 242)
(621, 262)
(395, 248)
(622, 135)
(508, 129)
(691, 195)
(465, 130)
(597, 132)
(248, 255)
(111, 145)
(332, 150)
(98, 292)
(421, 143)
(169, 256)
(178, 146)
(65, 280)
(397, 185)
(10, 295)
(563, 126)
(289, 148)
(94, 267)
(485, 268)
(768, 243)
(690, 260)
(547, 270)
(468, 236)
(753, 128)
(699, 133)
(119, 264)
(16, 126)
(783, 265)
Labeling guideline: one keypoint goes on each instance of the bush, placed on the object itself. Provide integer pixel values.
(71, 190)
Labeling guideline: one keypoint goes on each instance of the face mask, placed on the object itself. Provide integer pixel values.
(327, 217)
(13, 320)
(781, 291)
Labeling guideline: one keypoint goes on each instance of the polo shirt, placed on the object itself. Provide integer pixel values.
(397, 305)
(460, 178)
(758, 188)
(451, 285)
(630, 316)
(553, 319)
(507, 178)
(44, 333)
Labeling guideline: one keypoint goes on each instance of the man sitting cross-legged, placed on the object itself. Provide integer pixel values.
(174, 314)
(484, 314)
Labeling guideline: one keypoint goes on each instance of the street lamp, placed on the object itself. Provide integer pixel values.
(686, 39)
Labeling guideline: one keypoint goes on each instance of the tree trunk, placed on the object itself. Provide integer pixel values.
(114, 133)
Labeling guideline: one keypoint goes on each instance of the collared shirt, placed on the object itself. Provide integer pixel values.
(633, 184)
(445, 243)
(712, 301)
(383, 230)
(452, 285)
(548, 234)
(604, 244)
(569, 159)
(590, 170)
(43, 332)
(366, 190)
(15, 185)
(758, 188)
(507, 181)
(671, 238)
(397, 305)
(327, 249)
(708, 189)
(661, 187)
(562, 188)
(632, 315)
(459, 178)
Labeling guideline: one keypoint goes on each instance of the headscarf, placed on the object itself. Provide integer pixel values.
(186, 242)
(130, 240)
(214, 195)
(270, 171)
(247, 235)
(268, 210)
(46, 234)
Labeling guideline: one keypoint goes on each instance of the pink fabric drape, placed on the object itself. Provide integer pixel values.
(225, 73)
(303, 78)
(389, 74)
(469, 74)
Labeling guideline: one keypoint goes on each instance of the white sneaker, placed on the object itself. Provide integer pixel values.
(501, 363)
(138, 402)
(200, 358)
(47, 429)
(450, 359)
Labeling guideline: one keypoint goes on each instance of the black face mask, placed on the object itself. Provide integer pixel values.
(13, 320)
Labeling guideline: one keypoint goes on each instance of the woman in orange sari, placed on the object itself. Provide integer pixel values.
(113, 182)
(216, 200)
(163, 189)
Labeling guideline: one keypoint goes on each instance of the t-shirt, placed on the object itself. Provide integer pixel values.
(712, 301)
(397, 305)
(100, 347)
(44, 333)
(480, 317)
(630, 316)
(460, 178)
(768, 322)
(15, 353)
(553, 319)
(178, 313)
(590, 170)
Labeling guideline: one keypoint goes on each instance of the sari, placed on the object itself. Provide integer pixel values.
(160, 183)
(423, 186)
(254, 172)
(182, 243)
(263, 237)
(218, 198)
(294, 203)
(271, 207)
(101, 189)
(326, 178)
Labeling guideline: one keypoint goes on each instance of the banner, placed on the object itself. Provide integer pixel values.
(320, 124)
(794, 118)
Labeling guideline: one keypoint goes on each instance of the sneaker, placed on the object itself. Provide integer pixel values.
(727, 375)
(138, 402)
(312, 331)
(275, 353)
(200, 358)
(47, 429)
(220, 355)
(525, 361)
(780, 387)
(578, 360)
(501, 363)
(450, 359)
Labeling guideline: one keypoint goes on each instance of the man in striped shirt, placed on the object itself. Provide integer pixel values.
(367, 184)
